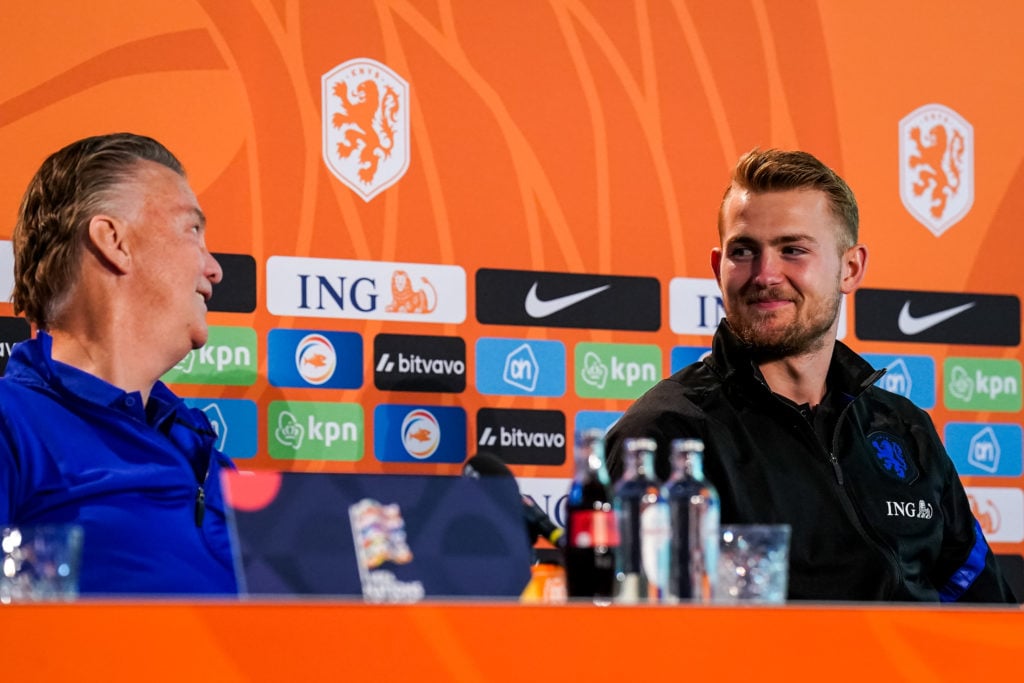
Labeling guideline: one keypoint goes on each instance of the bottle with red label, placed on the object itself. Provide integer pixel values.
(593, 535)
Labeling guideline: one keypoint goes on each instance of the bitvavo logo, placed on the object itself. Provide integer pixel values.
(228, 357)
(616, 370)
(306, 430)
(982, 384)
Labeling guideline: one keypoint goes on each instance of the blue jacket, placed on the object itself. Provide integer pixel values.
(875, 504)
(142, 481)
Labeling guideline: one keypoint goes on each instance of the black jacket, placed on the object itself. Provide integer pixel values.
(879, 514)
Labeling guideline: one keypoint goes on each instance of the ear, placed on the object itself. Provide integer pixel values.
(716, 264)
(107, 239)
(855, 260)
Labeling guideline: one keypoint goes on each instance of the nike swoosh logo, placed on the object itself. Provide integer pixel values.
(539, 308)
(910, 325)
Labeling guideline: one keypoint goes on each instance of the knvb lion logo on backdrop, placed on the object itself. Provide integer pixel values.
(368, 290)
(366, 125)
(936, 166)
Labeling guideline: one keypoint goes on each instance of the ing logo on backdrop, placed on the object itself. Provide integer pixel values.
(365, 125)
(936, 166)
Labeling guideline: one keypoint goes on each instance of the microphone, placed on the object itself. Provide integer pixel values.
(538, 523)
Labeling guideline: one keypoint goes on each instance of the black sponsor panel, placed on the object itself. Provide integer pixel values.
(522, 437)
(937, 317)
(236, 292)
(12, 331)
(1012, 567)
(542, 299)
(403, 362)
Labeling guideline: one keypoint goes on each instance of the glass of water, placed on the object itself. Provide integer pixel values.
(39, 563)
(753, 563)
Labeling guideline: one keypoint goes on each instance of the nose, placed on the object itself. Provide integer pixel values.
(768, 269)
(212, 270)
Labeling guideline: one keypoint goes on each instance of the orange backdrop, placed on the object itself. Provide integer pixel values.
(557, 135)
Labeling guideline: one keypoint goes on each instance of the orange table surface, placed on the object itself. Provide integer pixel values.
(326, 640)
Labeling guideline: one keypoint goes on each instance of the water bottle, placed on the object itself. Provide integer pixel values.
(644, 530)
(694, 512)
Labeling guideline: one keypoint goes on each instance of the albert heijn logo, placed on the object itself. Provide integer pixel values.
(404, 362)
(936, 166)
(234, 422)
(522, 437)
(984, 449)
(416, 433)
(520, 367)
(369, 290)
(365, 125)
(912, 377)
(313, 358)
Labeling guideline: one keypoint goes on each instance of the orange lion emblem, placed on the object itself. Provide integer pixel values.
(407, 299)
(367, 122)
(929, 162)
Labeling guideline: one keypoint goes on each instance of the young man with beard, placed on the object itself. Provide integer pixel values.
(794, 429)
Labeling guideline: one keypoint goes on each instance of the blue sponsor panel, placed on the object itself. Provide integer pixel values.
(980, 449)
(596, 419)
(234, 421)
(520, 367)
(686, 355)
(311, 358)
(427, 434)
(912, 377)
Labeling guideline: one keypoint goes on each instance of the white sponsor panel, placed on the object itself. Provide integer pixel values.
(6, 270)
(367, 290)
(1000, 511)
(549, 493)
(695, 306)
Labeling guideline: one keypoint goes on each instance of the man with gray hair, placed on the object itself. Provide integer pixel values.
(794, 429)
(112, 269)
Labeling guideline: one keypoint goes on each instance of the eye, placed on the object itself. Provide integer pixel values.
(793, 251)
(741, 252)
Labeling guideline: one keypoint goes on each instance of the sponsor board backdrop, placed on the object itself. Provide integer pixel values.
(446, 224)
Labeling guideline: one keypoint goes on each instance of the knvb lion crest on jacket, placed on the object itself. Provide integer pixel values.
(936, 166)
(365, 125)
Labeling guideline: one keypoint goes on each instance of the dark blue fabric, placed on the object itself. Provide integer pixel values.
(74, 448)
(964, 576)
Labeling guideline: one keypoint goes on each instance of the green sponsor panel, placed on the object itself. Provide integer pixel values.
(982, 384)
(309, 430)
(616, 370)
(228, 358)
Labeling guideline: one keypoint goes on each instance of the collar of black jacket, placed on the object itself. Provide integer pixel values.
(733, 361)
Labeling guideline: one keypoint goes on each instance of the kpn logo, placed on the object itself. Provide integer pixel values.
(307, 430)
(229, 357)
(616, 370)
(982, 384)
